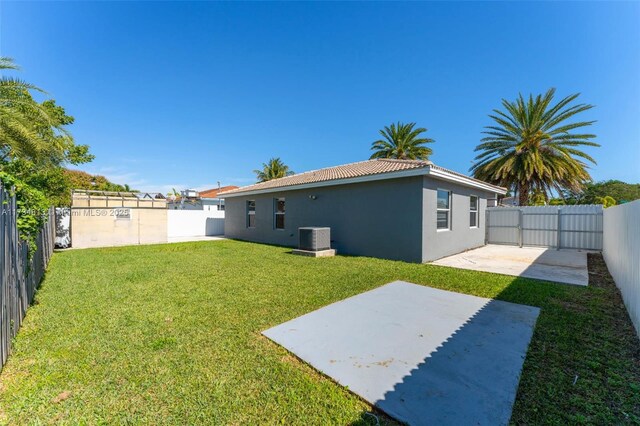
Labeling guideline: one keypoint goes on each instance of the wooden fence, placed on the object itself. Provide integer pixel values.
(19, 275)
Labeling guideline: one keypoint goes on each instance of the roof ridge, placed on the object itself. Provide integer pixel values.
(329, 167)
(391, 160)
(407, 160)
(358, 169)
(310, 172)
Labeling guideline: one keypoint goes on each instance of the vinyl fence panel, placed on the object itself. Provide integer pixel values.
(503, 226)
(621, 251)
(578, 227)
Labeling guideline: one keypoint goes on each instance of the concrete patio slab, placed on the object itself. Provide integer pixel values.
(563, 266)
(422, 355)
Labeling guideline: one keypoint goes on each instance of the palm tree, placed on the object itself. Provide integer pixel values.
(402, 141)
(531, 148)
(31, 130)
(173, 194)
(273, 169)
(18, 112)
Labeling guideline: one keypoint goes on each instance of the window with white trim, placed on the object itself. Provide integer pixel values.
(443, 213)
(251, 214)
(473, 211)
(278, 213)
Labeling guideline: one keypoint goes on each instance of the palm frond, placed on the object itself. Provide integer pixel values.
(402, 141)
(530, 145)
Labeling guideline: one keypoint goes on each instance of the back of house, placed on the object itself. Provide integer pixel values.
(407, 210)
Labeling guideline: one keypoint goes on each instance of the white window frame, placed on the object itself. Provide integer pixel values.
(276, 213)
(476, 211)
(251, 213)
(448, 210)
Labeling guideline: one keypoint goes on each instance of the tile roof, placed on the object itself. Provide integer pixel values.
(213, 193)
(349, 171)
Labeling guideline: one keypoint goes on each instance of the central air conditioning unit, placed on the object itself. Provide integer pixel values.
(314, 239)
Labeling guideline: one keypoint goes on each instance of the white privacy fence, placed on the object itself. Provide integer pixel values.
(194, 223)
(621, 251)
(576, 227)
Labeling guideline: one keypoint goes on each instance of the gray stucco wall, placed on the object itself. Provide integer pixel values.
(461, 236)
(378, 219)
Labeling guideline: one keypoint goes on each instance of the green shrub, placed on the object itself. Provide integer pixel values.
(32, 207)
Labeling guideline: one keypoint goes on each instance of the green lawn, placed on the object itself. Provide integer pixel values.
(170, 334)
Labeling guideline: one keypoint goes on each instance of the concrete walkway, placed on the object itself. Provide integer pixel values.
(422, 355)
(564, 266)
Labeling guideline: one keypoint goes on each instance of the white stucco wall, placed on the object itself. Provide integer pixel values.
(194, 223)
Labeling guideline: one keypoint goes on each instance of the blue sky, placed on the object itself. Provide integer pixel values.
(189, 94)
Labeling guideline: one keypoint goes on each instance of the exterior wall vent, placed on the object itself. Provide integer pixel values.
(314, 239)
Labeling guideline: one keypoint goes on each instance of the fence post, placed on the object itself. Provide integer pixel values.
(559, 229)
(486, 225)
(520, 238)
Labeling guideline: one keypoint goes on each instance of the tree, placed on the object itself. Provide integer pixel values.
(51, 181)
(621, 192)
(173, 194)
(531, 147)
(403, 142)
(537, 198)
(34, 131)
(273, 169)
(56, 183)
(35, 144)
(606, 201)
(83, 180)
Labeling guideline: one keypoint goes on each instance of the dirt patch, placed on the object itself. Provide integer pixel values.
(61, 397)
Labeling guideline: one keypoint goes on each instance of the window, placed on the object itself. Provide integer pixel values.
(221, 205)
(278, 212)
(443, 210)
(251, 214)
(473, 211)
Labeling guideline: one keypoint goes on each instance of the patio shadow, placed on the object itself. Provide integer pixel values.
(472, 378)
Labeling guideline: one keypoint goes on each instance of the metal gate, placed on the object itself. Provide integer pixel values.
(575, 227)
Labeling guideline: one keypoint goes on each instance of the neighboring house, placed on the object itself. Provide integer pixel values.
(202, 200)
(394, 209)
(210, 199)
(509, 201)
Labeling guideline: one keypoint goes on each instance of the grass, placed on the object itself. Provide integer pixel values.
(169, 334)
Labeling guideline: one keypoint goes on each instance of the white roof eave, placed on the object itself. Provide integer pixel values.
(425, 171)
